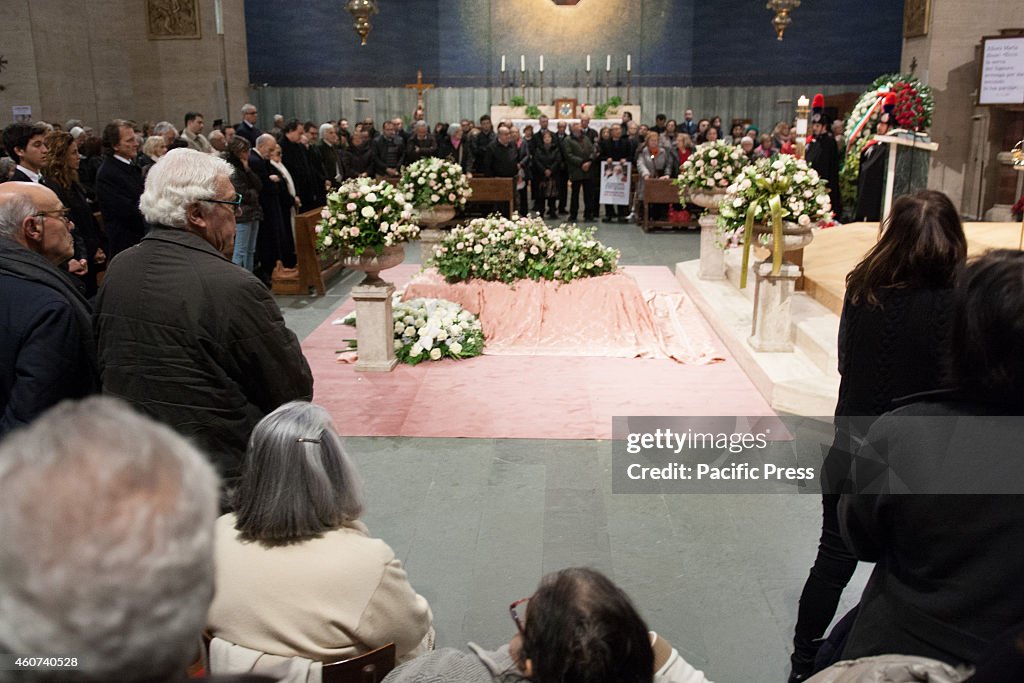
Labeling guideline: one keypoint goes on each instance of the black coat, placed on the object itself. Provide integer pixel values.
(248, 133)
(270, 238)
(463, 156)
(947, 570)
(547, 159)
(118, 188)
(357, 160)
(324, 157)
(616, 150)
(87, 234)
(503, 161)
(47, 352)
(247, 184)
(871, 181)
(295, 158)
(417, 149)
(387, 153)
(197, 343)
(822, 155)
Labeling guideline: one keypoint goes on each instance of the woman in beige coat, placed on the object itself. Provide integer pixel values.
(297, 573)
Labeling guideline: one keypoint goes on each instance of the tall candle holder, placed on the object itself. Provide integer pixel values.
(588, 86)
(524, 86)
(503, 82)
(629, 87)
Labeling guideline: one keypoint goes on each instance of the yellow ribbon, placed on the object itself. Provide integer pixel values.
(775, 209)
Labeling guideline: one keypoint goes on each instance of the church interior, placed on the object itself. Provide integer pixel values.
(487, 475)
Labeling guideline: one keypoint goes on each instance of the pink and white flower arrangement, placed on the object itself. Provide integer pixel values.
(712, 166)
(363, 215)
(506, 250)
(434, 182)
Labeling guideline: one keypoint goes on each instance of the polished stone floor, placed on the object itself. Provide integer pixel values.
(477, 522)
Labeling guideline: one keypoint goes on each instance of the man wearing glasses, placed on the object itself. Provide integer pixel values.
(184, 334)
(46, 342)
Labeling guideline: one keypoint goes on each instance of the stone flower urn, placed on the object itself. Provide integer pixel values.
(372, 263)
(429, 218)
(794, 236)
(712, 256)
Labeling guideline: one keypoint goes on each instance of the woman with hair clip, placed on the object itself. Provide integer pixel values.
(578, 627)
(297, 573)
(60, 174)
(893, 337)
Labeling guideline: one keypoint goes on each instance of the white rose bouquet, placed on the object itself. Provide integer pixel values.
(768, 191)
(363, 215)
(434, 182)
(432, 329)
(497, 248)
(712, 166)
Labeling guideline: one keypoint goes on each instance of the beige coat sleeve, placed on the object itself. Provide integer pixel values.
(396, 613)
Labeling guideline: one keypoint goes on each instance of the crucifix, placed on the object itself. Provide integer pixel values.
(420, 87)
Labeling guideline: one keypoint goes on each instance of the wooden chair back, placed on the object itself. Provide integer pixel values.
(659, 191)
(494, 191)
(371, 667)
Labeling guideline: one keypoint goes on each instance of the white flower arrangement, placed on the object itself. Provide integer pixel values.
(768, 192)
(363, 215)
(432, 329)
(432, 182)
(712, 166)
(506, 250)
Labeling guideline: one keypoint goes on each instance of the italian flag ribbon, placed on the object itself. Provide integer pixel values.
(775, 210)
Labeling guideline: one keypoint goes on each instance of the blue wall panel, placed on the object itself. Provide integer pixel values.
(459, 43)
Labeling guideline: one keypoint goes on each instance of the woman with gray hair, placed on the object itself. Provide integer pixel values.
(297, 572)
(456, 149)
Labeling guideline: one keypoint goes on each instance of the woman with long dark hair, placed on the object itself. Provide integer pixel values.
(894, 334)
(60, 174)
(249, 213)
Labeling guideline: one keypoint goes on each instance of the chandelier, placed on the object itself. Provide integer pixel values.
(361, 11)
(782, 8)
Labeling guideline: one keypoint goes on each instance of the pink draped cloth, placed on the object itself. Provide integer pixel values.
(607, 316)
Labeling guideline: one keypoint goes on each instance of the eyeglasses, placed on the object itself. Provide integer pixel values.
(513, 609)
(59, 214)
(236, 203)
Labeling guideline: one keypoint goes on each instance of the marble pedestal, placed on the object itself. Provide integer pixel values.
(712, 256)
(429, 239)
(375, 331)
(773, 317)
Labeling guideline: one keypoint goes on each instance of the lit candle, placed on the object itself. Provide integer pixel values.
(803, 101)
(503, 63)
(522, 62)
(588, 62)
(542, 63)
(608, 64)
(629, 63)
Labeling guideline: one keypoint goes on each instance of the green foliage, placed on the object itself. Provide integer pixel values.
(496, 248)
(533, 111)
(614, 101)
(517, 101)
(600, 110)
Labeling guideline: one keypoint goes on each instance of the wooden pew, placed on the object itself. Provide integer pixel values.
(493, 191)
(660, 191)
(313, 270)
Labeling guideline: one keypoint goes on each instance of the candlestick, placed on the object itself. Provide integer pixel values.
(522, 62)
(503, 63)
(629, 63)
(588, 62)
(802, 101)
(542, 63)
(608, 64)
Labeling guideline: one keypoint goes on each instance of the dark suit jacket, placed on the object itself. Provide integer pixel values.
(248, 133)
(118, 188)
(20, 176)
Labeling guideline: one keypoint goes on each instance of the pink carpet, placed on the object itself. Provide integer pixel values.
(526, 397)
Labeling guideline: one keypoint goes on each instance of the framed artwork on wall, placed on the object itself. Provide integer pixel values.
(172, 19)
(565, 108)
(916, 15)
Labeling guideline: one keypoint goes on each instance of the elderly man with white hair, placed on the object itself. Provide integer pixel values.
(46, 341)
(185, 335)
(107, 560)
(324, 157)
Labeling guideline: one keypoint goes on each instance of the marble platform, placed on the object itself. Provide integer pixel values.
(804, 381)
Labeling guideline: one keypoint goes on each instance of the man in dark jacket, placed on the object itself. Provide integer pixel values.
(270, 238)
(325, 157)
(617, 148)
(183, 334)
(387, 153)
(822, 154)
(118, 188)
(247, 126)
(504, 159)
(46, 343)
(579, 156)
(482, 143)
(24, 142)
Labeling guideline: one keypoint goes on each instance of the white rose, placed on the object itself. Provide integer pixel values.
(371, 197)
(409, 331)
(398, 345)
(822, 199)
(351, 206)
(326, 213)
(415, 350)
(435, 354)
(368, 212)
(804, 220)
(478, 248)
(328, 241)
(738, 202)
(455, 347)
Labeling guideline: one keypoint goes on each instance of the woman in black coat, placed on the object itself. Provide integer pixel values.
(893, 335)
(60, 174)
(249, 213)
(547, 163)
